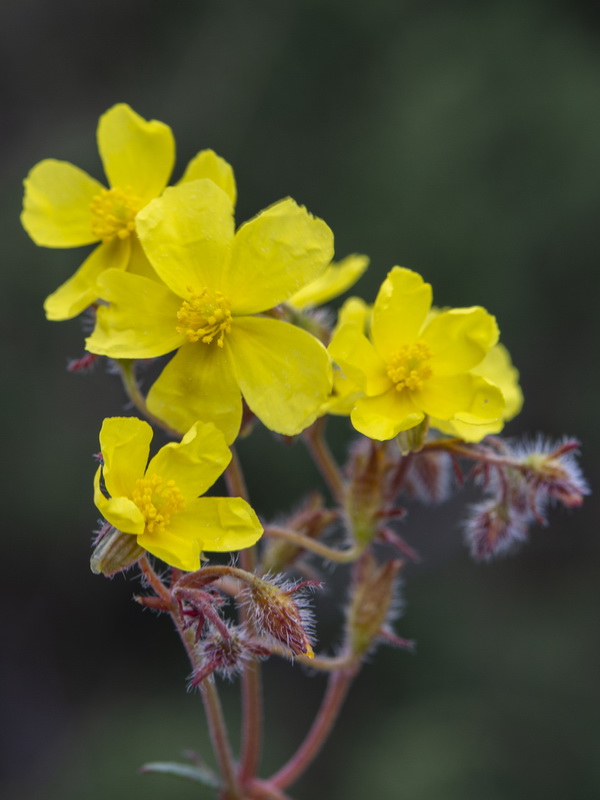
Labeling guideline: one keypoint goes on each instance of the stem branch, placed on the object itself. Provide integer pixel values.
(317, 446)
(337, 688)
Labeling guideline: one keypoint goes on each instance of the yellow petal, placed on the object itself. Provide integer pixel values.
(195, 463)
(274, 255)
(140, 320)
(56, 206)
(187, 235)
(336, 279)
(81, 290)
(465, 431)
(125, 445)
(121, 512)
(470, 397)
(460, 339)
(136, 153)
(358, 359)
(497, 367)
(182, 552)
(284, 372)
(138, 261)
(355, 310)
(400, 309)
(383, 417)
(207, 164)
(343, 397)
(220, 524)
(198, 384)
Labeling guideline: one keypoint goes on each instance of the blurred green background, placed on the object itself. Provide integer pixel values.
(461, 139)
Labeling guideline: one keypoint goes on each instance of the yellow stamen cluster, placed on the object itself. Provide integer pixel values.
(205, 316)
(158, 500)
(406, 367)
(113, 213)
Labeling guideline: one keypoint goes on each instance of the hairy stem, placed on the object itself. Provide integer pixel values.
(317, 446)
(251, 682)
(305, 542)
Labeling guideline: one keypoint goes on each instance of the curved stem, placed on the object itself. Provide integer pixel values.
(251, 683)
(154, 581)
(317, 662)
(264, 789)
(459, 448)
(321, 454)
(234, 477)
(339, 556)
(337, 689)
(127, 372)
(215, 717)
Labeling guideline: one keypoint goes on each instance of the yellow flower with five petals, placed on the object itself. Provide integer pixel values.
(216, 284)
(417, 365)
(159, 503)
(63, 206)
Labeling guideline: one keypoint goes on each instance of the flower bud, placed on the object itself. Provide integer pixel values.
(373, 602)
(225, 651)
(280, 615)
(114, 552)
(365, 497)
(428, 477)
(553, 473)
(495, 528)
(413, 439)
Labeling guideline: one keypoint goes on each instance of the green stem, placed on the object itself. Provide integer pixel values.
(305, 542)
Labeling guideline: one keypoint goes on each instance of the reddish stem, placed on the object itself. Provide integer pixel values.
(337, 689)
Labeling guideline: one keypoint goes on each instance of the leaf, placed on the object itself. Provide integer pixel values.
(189, 772)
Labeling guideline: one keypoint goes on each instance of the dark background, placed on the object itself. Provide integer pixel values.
(461, 139)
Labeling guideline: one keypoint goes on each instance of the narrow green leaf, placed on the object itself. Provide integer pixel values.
(190, 772)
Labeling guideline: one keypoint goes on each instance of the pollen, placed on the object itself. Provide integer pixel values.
(408, 368)
(158, 500)
(113, 213)
(205, 317)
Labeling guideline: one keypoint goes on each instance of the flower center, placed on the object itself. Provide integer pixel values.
(113, 213)
(407, 367)
(205, 316)
(158, 500)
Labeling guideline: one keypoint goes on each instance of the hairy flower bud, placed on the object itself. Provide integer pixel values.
(428, 477)
(281, 612)
(225, 650)
(365, 499)
(495, 528)
(552, 472)
(373, 602)
(114, 551)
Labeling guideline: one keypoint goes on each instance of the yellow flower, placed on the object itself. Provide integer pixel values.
(496, 367)
(65, 207)
(345, 392)
(159, 503)
(414, 366)
(216, 282)
(337, 278)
